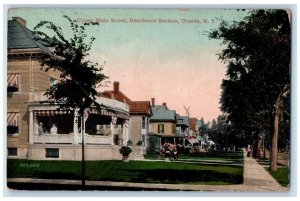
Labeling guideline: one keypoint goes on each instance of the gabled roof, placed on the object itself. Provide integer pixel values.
(162, 113)
(140, 107)
(182, 120)
(118, 95)
(20, 37)
(135, 107)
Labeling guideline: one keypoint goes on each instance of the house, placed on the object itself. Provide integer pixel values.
(182, 125)
(140, 113)
(163, 124)
(23, 78)
(37, 130)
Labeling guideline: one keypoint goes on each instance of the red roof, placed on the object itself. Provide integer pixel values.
(193, 122)
(135, 107)
(119, 96)
(140, 107)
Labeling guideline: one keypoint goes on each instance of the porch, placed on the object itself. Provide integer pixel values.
(48, 124)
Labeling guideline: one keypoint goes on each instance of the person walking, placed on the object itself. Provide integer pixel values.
(249, 150)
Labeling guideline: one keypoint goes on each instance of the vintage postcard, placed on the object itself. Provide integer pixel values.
(181, 99)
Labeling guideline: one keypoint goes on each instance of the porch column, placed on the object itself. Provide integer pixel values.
(31, 126)
(126, 131)
(112, 132)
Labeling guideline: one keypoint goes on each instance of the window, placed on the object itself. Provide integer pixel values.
(12, 151)
(161, 128)
(12, 123)
(174, 129)
(116, 139)
(143, 122)
(143, 140)
(52, 153)
(13, 82)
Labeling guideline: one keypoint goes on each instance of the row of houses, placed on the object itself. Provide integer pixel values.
(37, 130)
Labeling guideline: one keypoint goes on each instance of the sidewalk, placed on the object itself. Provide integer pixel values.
(256, 179)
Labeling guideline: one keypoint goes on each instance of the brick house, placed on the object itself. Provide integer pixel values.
(40, 131)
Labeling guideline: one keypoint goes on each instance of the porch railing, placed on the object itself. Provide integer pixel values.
(54, 138)
(71, 139)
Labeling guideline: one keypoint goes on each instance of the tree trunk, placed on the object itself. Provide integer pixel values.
(278, 111)
(84, 116)
(273, 155)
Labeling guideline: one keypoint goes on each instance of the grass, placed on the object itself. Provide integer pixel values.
(234, 156)
(281, 175)
(134, 171)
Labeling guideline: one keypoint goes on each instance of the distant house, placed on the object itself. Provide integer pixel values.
(182, 125)
(193, 126)
(163, 124)
(37, 130)
(140, 113)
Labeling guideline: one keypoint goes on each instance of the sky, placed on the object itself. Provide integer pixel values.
(169, 57)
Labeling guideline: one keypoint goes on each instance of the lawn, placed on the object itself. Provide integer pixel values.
(134, 171)
(281, 175)
(233, 156)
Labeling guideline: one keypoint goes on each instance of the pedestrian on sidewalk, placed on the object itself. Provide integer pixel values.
(249, 150)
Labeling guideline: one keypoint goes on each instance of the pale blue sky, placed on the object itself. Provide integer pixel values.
(175, 63)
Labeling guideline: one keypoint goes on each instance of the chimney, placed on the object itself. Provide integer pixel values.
(20, 20)
(116, 86)
(153, 101)
(165, 104)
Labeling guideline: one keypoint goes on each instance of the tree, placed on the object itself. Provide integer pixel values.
(257, 53)
(79, 77)
(153, 144)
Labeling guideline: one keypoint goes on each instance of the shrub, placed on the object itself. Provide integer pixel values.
(129, 142)
(139, 143)
(153, 144)
(125, 150)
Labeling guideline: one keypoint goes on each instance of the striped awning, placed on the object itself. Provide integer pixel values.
(51, 112)
(12, 118)
(12, 79)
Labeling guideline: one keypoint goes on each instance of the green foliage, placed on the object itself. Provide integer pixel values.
(257, 54)
(125, 150)
(139, 143)
(129, 142)
(153, 144)
(79, 77)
